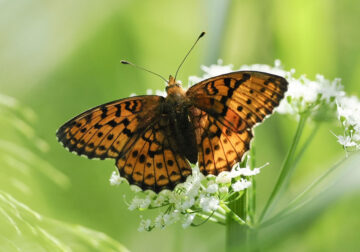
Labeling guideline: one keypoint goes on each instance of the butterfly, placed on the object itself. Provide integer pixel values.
(153, 139)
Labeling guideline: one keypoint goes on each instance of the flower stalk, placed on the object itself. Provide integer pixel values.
(237, 231)
(286, 167)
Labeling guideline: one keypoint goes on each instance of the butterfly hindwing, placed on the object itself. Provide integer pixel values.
(111, 129)
(153, 161)
(219, 148)
(226, 108)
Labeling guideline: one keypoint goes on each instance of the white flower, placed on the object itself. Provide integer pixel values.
(193, 182)
(210, 71)
(277, 70)
(115, 179)
(209, 204)
(145, 225)
(187, 204)
(346, 141)
(135, 188)
(138, 203)
(238, 171)
(160, 92)
(348, 110)
(212, 188)
(223, 178)
(240, 185)
(158, 201)
(224, 189)
(159, 221)
(188, 220)
(304, 93)
(171, 218)
(330, 90)
(163, 220)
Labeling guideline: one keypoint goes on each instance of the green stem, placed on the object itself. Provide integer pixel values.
(252, 233)
(286, 167)
(231, 214)
(307, 143)
(294, 204)
(237, 230)
(206, 218)
(301, 152)
(251, 195)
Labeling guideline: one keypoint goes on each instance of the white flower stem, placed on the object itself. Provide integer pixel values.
(220, 215)
(286, 167)
(212, 217)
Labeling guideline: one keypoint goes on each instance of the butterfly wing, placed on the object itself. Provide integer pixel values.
(135, 133)
(109, 130)
(154, 161)
(225, 109)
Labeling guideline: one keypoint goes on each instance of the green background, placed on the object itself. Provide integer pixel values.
(60, 58)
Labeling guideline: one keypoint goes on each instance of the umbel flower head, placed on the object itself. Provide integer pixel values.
(207, 198)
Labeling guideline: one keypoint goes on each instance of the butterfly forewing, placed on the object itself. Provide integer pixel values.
(109, 130)
(226, 109)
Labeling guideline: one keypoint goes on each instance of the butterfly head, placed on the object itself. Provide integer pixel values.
(174, 87)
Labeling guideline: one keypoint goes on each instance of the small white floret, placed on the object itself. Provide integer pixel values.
(223, 178)
(240, 185)
(188, 220)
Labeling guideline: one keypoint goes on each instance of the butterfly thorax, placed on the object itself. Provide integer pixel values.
(175, 110)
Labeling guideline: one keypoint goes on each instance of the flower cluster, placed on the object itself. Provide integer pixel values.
(348, 112)
(200, 196)
(308, 96)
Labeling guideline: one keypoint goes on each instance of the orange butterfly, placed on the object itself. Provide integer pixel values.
(153, 138)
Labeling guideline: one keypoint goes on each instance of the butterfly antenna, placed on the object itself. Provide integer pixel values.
(129, 63)
(182, 62)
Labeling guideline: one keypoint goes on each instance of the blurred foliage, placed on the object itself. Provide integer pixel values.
(60, 58)
(22, 229)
